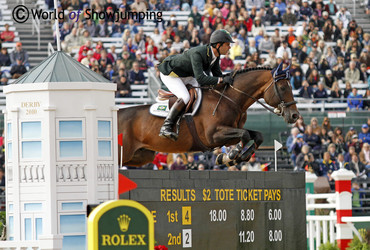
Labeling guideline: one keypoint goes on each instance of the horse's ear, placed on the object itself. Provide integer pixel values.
(273, 72)
(287, 68)
(276, 71)
(287, 72)
(279, 68)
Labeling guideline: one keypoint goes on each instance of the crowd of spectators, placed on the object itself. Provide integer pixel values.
(203, 161)
(17, 60)
(326, 48)
(324, 149)
(320, 149)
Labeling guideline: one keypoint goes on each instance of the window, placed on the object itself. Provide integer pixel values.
(33, 218)
(28, 229)
(104, 129)
(70, 129)
(31, 140)
(104, 148)
(32, 207)
(11, 226)
(31, 130)
(71, 149)
(9, 141)
(72, 224)
(72, 206)
(76, 242)
(38, 227)
(71, 139)
(31, 149)
(10, 151)
(104, 139)
(9, 131)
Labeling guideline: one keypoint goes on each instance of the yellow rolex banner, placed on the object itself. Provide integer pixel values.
(120, 224)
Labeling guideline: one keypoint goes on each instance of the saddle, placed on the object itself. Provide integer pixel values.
(166, 99)
(164, 95)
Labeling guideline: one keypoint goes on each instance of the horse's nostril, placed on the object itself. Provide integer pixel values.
(295, 116)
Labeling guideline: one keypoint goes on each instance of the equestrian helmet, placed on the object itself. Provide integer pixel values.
(221, 36)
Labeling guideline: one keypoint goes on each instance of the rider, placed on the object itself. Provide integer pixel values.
(193, 67)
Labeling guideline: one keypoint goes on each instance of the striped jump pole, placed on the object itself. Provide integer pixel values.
(343, 192)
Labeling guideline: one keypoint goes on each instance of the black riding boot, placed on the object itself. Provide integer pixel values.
(172, 117)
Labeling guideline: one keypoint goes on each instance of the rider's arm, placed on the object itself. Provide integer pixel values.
(200, 76)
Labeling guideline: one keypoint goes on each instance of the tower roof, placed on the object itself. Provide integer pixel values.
(60, 67)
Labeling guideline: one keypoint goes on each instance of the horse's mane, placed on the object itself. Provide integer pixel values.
(249, 69)
(241, 71)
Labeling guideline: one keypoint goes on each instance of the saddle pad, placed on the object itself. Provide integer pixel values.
(159, 109)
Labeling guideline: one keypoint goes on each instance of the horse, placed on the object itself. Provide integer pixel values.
(218, 122)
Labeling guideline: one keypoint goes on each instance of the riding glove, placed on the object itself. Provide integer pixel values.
(227, 79)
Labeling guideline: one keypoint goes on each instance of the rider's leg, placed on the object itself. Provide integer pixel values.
(177, 87)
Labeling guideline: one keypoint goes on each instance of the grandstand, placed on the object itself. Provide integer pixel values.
(30, 33)
(148, 26)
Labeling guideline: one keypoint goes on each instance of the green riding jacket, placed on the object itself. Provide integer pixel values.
(195, 62)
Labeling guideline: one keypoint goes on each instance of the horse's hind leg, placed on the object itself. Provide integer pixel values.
(141, 157)
(226, 134)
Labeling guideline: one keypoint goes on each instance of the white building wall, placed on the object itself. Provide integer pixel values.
(63, 187)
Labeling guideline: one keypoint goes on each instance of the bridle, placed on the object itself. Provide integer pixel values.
(279, 111)
(282, 105)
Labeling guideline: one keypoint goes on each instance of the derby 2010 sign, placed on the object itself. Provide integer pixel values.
(120, 224)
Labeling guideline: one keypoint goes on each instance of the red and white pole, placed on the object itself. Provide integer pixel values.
(343, 192)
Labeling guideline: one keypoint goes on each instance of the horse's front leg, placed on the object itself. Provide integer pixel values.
(258, 139)
(226, 134)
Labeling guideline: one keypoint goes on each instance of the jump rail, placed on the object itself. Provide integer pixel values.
(341, 200)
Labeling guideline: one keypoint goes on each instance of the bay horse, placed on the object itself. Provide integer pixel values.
(218, 122)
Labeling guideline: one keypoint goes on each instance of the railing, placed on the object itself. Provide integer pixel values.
(71, 172)
(350, 220)
(318, 224)
(311, 205)
(154, 84)
(36, 27)
(317, 104)
(50, 49)
(321, 228)
(354, 8)
(11, 245)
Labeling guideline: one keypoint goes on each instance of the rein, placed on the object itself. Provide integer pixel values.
(221, 95)
(227, 98)
(255, 99)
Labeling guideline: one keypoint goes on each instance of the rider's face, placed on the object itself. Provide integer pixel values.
(224, 48)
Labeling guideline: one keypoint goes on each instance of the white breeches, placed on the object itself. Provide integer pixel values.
(177, 85)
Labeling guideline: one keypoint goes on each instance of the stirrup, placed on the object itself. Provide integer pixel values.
(168, 134)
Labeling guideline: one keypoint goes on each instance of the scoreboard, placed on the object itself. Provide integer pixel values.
(223, 210)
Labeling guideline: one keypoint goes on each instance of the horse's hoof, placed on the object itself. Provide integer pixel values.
(218, 160)
(233, 154)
